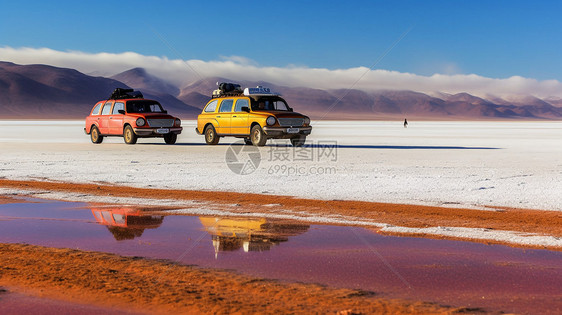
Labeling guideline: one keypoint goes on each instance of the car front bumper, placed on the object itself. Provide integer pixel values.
(283, 131)
(148, 132)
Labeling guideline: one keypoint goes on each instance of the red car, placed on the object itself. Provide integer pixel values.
(127, 114)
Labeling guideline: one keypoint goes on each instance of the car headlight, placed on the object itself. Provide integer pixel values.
(270, 120)
(306, 120)
(177, 122)
(140, 122)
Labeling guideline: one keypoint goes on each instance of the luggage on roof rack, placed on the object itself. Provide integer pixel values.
(120, 93)
(227, 89)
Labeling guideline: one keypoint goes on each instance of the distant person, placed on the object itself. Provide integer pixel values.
(405, 123)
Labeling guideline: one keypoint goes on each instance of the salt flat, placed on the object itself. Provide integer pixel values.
(460, 164)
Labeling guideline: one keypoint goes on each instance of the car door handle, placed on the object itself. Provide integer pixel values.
(218, 116)
(234, 116)
(110, 117)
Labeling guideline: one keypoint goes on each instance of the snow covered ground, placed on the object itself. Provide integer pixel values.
(456, 164)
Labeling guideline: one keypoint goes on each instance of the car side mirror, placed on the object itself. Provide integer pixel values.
(245, 109)
(121, 111)
(165, 111)
(290, 109)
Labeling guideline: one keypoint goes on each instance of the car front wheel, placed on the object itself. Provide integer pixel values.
(258, 136)
(95, 135)
(129, 135)
(211, 136)
(170, 138)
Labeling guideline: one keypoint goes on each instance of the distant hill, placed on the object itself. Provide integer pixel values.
(41, 91)
(357, 104)
(46, 92)
(139, 79)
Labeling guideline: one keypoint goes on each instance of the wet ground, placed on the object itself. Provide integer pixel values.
(494, 277)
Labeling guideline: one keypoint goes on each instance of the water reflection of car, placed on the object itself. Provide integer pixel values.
(231, 234)
(126, 223)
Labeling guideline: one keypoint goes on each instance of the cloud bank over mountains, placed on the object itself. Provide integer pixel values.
(183, 72)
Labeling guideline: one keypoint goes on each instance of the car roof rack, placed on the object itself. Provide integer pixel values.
(119, 94)
(232, 89)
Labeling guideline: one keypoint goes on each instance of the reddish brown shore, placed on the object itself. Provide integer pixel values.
(158, 287)
(519, 220)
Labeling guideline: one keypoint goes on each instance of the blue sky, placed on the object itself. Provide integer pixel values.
(495, 39)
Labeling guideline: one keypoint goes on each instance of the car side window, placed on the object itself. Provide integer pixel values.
(96, 110)
(241, 103)
(226, 106)
(106, 108)
(211, 106)
(117, 107)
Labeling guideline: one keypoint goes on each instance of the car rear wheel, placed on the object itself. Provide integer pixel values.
(258, 136)
(129, 135)
(170, 138)
(95, 135)
(211, 136)
(298, 141)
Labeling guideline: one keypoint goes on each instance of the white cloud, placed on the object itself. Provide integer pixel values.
(240, 60)
(183, 72)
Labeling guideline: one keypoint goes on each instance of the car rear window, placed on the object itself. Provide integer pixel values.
(96, 110)
(211, 106)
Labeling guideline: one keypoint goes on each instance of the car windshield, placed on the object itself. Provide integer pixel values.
(269, 103)
(144, 107)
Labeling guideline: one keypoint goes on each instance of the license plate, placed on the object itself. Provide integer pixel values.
(293, 130)
(162, 130)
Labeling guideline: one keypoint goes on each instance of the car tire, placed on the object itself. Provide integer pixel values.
(95, 135)
(257, 136)
(211, 136)
(248, 141)
(129, 135)
(170, 138)
(298, 141)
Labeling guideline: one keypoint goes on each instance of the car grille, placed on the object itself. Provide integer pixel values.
(160, 122)
(291, 122)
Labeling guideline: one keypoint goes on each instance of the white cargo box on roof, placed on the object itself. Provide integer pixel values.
(259, 91)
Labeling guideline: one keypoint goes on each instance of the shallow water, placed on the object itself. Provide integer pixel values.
(17, 303)
(448, 272)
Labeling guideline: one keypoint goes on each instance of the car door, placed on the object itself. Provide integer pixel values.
(239, 121)
(224, 115)
(116, 119)
(103, 119)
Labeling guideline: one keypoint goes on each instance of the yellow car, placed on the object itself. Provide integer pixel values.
(254, 114)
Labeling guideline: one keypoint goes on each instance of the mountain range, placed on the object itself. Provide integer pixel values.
(47, 92)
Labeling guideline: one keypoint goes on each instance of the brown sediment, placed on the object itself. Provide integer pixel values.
(157, 286)
(498, 218)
